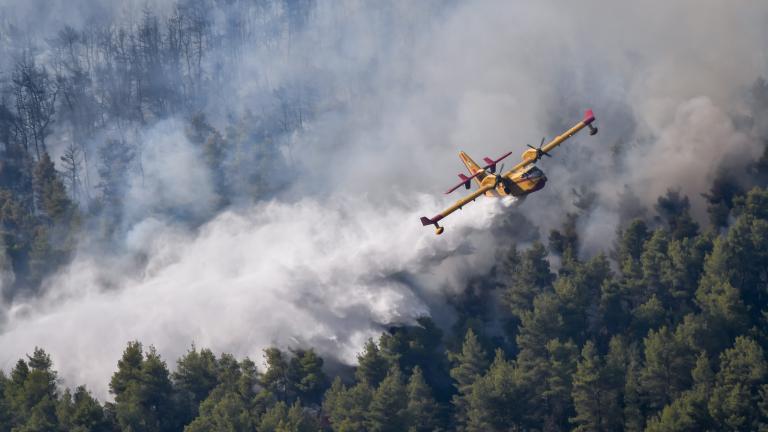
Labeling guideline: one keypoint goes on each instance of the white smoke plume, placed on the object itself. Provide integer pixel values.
(341, 254)
(308, 273)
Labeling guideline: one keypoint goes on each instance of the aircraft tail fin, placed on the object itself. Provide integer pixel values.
(473, 167)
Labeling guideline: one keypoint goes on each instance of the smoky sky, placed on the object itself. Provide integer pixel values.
(398, 88)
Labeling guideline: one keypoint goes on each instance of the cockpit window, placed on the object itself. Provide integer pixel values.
(532, 173)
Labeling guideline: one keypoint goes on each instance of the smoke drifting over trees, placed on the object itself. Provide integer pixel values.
(245, 174)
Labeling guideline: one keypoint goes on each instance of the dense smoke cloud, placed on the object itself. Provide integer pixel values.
(340, 253)
(173, 176)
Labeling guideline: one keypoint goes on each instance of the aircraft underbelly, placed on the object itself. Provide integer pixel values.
(525, 187)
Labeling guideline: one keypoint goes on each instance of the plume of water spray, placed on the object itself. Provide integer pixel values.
(324, 274)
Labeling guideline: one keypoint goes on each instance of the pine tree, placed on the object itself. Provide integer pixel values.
(591, 395)
(556, 390)
(50, 193)
(233, 404)
(538, 330)
(523, 276)
(5, 407)
(301, 420)
(633, 415)
(229, 371)
(734, 404)
(615, 306)
(415, 345)
(40, 255)
(195, 377)
(720, 301)
(494, 402)
(720, 199)
(565, 243)
(41, 392)
(631, 241)
(14, 393)
(668, 362)
(42, 417)
(616, 368)
(689, 411)
(157, 391)
(544, 323)
(619, 298)
(32, 393)
(422, 410)
(387, 412)
(128, 369)
(17, 227)
(372, 366)
(648, 316)
(247, 376)
(682, 275)
(674, 211)
(333, 402)
(686, 413)
(655, 264)
(693, 403)
(225, 411)
(72, 167)
(702, 374)
(275, 380)
(469, 365)
(143, 391)
(81, 412)
(281, 418)
(41, 380)
(347, 409)
(306, 372)
(747, 252)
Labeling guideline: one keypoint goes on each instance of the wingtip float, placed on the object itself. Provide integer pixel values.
(522, 179)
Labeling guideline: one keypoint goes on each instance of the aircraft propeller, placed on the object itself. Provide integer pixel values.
(499, 177)
(539, 152)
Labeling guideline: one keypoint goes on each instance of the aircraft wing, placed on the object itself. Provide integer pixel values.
(456, 206)
(532, 155)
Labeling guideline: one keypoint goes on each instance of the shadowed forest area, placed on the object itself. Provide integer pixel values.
(665, 330)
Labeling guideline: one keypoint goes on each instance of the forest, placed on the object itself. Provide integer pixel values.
(673, 339)
(664, 329)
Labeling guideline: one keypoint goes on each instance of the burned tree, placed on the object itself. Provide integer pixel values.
(35, 93)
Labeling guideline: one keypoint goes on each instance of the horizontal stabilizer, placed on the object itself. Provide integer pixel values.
(464, 181)
(490, 165)
(490, 161)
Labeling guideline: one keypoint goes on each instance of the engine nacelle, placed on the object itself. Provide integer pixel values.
(530, 155)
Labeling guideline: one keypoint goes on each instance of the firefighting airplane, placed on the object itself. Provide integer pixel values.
(523, 179)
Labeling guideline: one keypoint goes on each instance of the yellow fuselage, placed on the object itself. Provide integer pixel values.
(516, 184)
